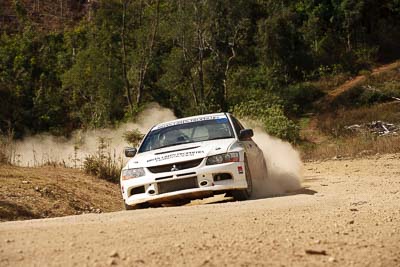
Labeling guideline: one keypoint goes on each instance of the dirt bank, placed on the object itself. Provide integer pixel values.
(28, 193)
(347, 215)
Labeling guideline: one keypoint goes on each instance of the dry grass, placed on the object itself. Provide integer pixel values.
(103, 164)
(380, 78)
(7, 149)
(3, 154)
(356, 146)
(133, 137)
(369, 88)
(331, 139)
(334, 123)
(327, 83)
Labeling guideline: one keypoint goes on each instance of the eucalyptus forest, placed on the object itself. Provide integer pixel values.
(75, 64)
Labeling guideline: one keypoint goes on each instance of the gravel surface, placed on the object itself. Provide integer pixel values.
(347, 214)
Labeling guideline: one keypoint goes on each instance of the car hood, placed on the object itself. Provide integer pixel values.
(180, 153)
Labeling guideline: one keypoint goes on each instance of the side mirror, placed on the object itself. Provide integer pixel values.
(245, 134)
(130, 152)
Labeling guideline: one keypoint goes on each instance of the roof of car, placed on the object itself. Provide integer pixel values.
(190, 119)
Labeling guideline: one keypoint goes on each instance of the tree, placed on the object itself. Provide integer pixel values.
(94, 83)
(229, 29)
(187, 59)
(281, 45)
(143, 22)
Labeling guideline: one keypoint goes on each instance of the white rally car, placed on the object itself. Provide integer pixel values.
(190, 158)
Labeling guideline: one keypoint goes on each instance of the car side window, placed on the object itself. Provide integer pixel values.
(237, 125)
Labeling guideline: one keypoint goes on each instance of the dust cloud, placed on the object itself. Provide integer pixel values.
(284, 166)
(283, 161)
(46, 149)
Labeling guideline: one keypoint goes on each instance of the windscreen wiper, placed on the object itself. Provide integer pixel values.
(223, 137)
(176, 144)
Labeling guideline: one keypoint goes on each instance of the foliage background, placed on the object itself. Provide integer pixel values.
(94, 64)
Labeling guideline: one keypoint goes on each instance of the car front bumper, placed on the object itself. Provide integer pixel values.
(199, 182)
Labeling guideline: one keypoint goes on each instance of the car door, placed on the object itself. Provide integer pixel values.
(252, 150)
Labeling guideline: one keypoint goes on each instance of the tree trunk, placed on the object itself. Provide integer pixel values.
(147, 57)
(61, 8)
(187, 72)
(227, 67)
(200, 58)
(123, 47)
(349, 41)
(201, 73)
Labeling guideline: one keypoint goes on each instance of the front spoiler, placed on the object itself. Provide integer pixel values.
(188, 194)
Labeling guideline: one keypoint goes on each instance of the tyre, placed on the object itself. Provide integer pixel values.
(136, 207)
(244, 194)
(128, 207)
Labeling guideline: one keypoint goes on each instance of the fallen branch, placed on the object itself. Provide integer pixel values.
(316, 252)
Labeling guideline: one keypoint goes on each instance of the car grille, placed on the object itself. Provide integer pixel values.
(178, 184)
(179, 165)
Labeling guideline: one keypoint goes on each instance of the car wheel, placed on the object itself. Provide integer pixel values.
(244, 194)
(128, 207)
(265, 169)
(136, 207)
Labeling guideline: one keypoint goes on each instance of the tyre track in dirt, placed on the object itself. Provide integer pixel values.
(347, 214)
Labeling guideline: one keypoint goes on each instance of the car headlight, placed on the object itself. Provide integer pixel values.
(223, 158)
(132, 173)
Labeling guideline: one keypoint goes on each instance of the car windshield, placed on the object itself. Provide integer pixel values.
(190, 131)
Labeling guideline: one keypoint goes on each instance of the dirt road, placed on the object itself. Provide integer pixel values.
(348, 214)
(361, 78)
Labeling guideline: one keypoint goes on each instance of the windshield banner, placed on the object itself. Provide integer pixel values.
(179, 122)
(176, 155)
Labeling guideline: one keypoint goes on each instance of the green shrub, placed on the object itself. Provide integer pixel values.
(277, 124)
(364, 72)
(103, 164)
(133, 137)
(365, 55)
(270, 116)
(371, 95)
(299, 97)
(366, 95)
